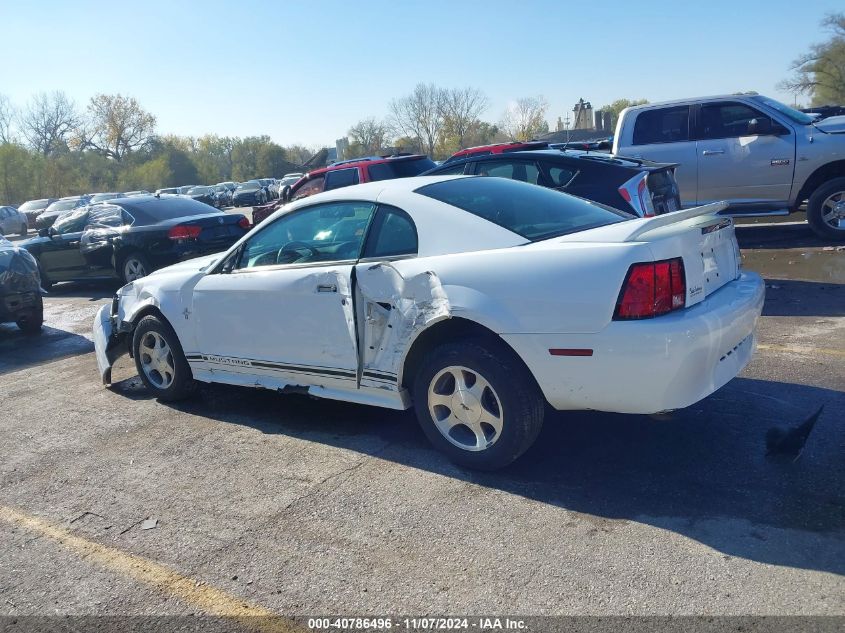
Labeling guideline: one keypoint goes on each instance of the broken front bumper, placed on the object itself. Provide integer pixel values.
(109, 345)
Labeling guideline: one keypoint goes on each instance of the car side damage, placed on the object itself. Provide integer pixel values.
(393, 311)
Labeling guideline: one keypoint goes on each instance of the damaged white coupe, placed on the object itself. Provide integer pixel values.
(475, 300)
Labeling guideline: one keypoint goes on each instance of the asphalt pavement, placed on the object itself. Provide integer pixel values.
(112, 503)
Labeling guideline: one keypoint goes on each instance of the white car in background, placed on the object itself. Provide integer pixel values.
(12, 221)
(474, 300)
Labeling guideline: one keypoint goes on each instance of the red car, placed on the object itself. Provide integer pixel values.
(498, 148)
(345, 173)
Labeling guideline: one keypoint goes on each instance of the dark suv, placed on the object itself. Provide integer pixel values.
(641, 187)
(346, 173)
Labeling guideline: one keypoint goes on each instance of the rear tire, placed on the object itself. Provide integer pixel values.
(826, 209)
(134, 266)
(160, 361)
(477, 403)
(31, 323)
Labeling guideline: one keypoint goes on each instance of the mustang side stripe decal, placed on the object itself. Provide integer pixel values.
(261, 364)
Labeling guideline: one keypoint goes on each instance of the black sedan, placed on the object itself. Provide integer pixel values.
(128, 238)
(249, 194)
(635, 186)
(20, 292)
(203, 194)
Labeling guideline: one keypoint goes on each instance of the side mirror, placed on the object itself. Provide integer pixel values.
(759, 126)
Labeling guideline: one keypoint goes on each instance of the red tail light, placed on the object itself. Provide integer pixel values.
(184, 232)
(244, 223)
(652, 289)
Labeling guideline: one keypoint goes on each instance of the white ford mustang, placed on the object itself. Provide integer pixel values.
(475, 300)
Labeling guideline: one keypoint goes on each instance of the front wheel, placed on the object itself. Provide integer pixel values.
(160, 361)
(31, 323)
(477, 403)
(826, 210)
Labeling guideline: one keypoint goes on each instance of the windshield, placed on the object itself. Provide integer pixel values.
(62, 205)
(535, 213)
(34, 205)
(792, 113)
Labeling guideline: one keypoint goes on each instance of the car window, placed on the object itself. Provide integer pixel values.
(662, 125)
(403, 168)
(394, 234)
(4, 213)
(560, 176)
(341, 178)
(453, 170)
(71, 222)
(309, 188)
(515, 170)
(535, 213)
(107, 215)
(322, 233)
(726, 120)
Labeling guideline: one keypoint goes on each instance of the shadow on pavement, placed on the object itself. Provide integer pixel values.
(19, 351)
(700, 472)
(787, 297)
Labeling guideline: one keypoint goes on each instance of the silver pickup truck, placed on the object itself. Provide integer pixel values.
(760, 155)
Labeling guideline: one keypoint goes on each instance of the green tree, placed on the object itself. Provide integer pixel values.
(115, 126)
(820, 73)
(15, 173)
(617, 106)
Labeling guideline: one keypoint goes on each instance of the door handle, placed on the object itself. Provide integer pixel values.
(712, 152)
(326, 288)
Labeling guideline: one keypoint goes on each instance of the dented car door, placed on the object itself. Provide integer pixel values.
(281, 315)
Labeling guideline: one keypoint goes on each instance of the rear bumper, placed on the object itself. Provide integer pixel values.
(650, 365)
(15, 305)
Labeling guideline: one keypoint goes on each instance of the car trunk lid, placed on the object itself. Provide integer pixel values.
(706, 242)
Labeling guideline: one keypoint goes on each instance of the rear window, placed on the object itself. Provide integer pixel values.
(535, 213)
(400, 168)
(341, 178)
(662, 125)
(149, 211)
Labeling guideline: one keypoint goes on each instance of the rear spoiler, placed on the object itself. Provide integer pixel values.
(674, 217)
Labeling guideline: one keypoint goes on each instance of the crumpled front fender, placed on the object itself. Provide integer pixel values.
(109, 345)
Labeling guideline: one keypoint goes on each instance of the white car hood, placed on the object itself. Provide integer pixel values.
(189, 265)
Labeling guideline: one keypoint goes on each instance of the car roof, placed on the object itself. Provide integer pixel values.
(575, 154)
(691, 100)
(367, 160)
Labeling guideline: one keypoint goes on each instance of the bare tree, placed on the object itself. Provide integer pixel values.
(116, 125)
(420, 115)
(369, 135)
(7, 116)
(821, 72)
(460, 109)
(525, 118)
(48, 121)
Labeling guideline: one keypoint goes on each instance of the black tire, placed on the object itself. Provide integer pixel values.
(134, 256)
(32, 322)
(522, 403)
(183, 384)
(815, 210)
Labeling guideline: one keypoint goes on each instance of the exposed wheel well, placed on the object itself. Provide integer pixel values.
(452, 329)
(836, 169)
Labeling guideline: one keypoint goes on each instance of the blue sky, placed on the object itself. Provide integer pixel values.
(303, 72)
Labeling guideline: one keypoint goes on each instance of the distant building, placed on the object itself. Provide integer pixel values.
(587, 125)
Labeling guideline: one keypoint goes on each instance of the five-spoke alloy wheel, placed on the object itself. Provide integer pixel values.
(160, 361)
(478, 403)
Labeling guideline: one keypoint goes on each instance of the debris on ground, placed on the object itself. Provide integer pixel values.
(149, 524)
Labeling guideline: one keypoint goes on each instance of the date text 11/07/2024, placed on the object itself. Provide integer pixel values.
(418, 624)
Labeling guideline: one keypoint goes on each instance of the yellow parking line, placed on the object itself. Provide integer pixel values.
(208, 599)
(797, 349)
